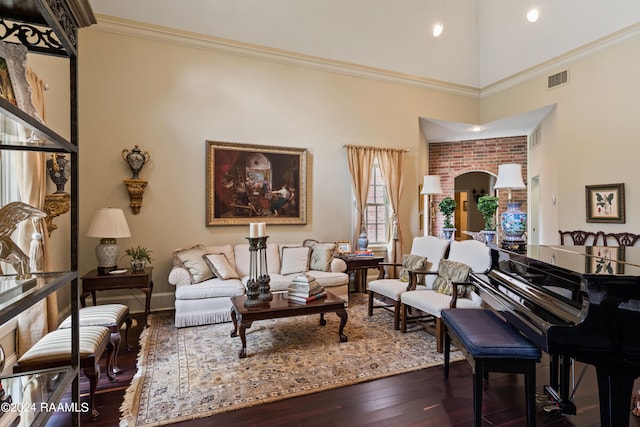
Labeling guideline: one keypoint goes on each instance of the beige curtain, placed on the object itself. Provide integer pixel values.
(34, 323)
(391, 163)
(360, 163)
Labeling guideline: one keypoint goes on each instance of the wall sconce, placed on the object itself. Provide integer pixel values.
(136, 159)
(55, 205)
(430, 186)
(477, 194)
(58, 203)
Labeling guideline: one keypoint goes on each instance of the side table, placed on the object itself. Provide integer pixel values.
(92, 282)
(358, 265)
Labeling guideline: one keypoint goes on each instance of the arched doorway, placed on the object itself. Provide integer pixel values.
(468, 188)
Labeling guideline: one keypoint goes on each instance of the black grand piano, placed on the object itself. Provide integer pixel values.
(574, 302)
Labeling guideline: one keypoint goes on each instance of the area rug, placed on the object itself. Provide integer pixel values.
(195, 372)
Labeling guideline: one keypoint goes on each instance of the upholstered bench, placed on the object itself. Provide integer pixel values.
(490, 345)
(113, 316)
(54, 350)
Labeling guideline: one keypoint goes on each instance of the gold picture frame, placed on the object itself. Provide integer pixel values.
(255, 183)
(344, 247)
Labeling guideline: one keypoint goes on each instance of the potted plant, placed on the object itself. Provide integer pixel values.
(448, 207)
(488, 205)
(140, 256)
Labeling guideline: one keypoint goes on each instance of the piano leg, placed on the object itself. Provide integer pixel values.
(559, 388)
(614, 391)
(554, 368)
(566, 387)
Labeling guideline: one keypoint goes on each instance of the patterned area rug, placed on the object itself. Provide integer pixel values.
(195, 372)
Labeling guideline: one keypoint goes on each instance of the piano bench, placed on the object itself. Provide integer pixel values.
(490, 345)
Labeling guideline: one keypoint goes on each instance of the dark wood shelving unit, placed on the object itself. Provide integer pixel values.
(48, 27)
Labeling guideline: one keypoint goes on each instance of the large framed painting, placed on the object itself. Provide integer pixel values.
(605, 203)
(255, 183)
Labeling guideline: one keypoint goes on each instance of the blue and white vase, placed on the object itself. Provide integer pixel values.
(489, 237)
(514, 222)
(363, 241)
(449, 233)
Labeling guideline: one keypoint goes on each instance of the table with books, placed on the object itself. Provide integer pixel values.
(305, 297)
(358, 263)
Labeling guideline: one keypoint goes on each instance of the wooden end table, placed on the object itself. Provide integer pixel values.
(92, 282)
(358, 265)
(243, 317)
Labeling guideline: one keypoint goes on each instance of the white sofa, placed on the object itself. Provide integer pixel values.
(206, 277)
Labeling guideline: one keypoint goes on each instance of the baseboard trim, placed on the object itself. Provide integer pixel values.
(159, 301)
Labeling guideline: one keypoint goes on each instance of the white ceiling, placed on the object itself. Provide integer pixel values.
(484, 41)
(517, 125)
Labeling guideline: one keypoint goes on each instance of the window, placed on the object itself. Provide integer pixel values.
(377, 209)
(8, 184)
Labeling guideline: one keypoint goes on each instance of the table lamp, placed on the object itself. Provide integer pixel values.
(430, 186)
(513, 220)
(108, 224)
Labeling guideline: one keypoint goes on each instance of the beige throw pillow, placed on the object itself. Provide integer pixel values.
(191, 260)
(294, 259)
(321, 255)
(448, 272)
(412, 262)
(220, 266)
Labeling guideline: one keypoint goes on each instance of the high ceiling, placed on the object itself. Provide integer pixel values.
(484, 41)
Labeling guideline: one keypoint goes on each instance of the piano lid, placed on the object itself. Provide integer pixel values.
(587, 260)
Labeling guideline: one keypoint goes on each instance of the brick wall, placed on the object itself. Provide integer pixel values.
(450, 159)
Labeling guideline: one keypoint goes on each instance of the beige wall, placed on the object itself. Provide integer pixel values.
(169, 99)
(591, 137)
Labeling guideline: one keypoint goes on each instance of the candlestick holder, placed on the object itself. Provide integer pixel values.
(263, 277)
(258, 289)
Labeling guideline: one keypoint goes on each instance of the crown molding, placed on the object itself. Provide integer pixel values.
(162, 34)
(563, 61)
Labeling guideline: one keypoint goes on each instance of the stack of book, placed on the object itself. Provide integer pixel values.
(363, 253)
(305, 288)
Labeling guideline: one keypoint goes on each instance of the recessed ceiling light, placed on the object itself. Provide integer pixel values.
(476, 128)
(532, 15)
(437, 29)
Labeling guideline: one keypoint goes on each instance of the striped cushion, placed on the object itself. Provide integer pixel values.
(99, 315)
(434, 302)
(390, 288)
(56, 345)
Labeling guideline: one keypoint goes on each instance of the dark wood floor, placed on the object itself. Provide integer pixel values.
(422, 398)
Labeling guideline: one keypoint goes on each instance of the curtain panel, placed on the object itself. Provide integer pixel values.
(391, 161)
(36, 321)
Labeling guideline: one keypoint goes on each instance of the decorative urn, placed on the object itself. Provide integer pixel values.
(136, 159)
(59, 170)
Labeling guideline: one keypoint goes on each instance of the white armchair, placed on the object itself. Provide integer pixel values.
(388, 290)
(430, 302)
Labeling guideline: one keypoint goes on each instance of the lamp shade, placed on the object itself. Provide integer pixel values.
(109, 223)
(509, 176)
(431, 185)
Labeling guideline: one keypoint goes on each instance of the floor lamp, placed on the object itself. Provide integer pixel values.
(430, 186)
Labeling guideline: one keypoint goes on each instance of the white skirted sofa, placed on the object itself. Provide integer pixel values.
(206, 277)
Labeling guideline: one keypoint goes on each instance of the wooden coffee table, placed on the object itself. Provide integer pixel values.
(243, 317)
